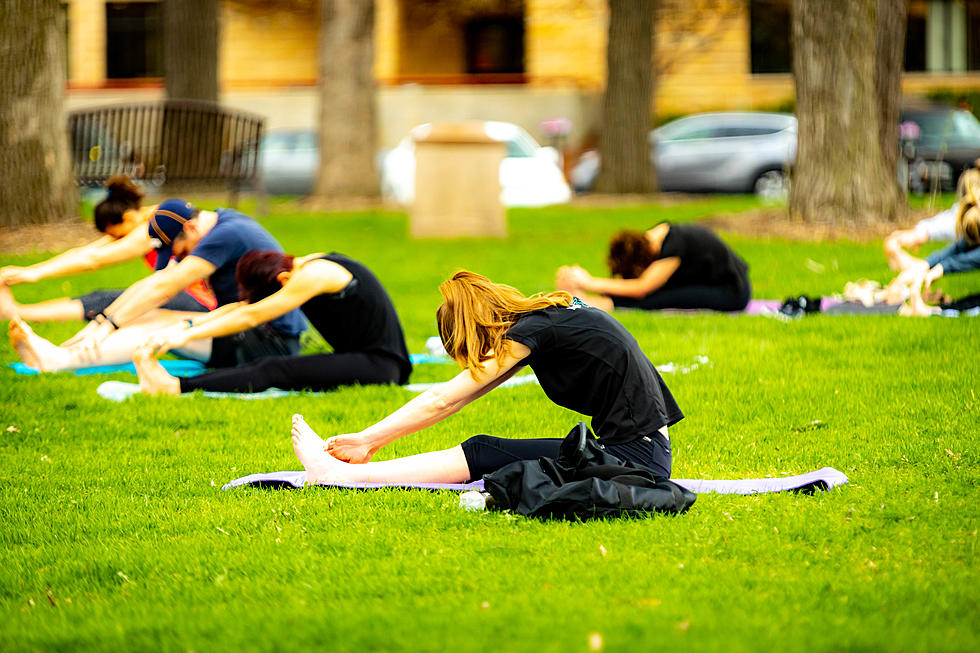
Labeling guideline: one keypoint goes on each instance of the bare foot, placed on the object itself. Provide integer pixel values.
(916, 307)
(8, 305)
(309, 447)
(154, 380)
(18, 340)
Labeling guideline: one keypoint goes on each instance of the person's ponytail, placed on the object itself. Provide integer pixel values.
(123, 196)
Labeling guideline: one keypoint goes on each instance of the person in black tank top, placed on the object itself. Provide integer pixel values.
(341, 298)
(668, 266)
(584, 359)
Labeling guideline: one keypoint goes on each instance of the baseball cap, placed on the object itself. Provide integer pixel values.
(165, 224)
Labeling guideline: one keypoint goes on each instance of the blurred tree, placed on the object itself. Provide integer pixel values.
(627, 100)
(190, 70)
(37, 183)
(348, 129)
(190, 61)
(847, 94)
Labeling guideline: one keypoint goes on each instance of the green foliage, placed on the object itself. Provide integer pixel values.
(953, 97)
(116, 535)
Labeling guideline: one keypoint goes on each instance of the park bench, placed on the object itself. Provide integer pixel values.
(173, 143)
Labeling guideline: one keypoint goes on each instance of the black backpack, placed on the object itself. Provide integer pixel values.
(585, 482)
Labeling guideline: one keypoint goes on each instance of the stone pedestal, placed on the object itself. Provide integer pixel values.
(457, 182)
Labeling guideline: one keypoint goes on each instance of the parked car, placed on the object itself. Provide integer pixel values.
(722, 152)
(288, 161)
(948, 144)
(529, 174)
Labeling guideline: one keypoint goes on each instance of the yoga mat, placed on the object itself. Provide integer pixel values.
(120, 390)
(173, 367)
(821, 479)
(185, 367)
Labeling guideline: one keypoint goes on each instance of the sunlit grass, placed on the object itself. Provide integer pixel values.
(116, 536)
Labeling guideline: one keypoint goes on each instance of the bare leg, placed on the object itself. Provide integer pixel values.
(54, 310)
(597, 301)
(154, 380)
(118, 348)
(447, 466)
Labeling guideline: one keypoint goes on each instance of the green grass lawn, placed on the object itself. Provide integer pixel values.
(115, 534)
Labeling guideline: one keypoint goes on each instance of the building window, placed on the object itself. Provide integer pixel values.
(494, 46)
(770, 28)
(943, 36)
(133, 43)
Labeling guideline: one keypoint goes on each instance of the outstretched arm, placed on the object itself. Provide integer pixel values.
(314, 278)
(653, 278)
(428, 408)
(97, 254)
(144, 296)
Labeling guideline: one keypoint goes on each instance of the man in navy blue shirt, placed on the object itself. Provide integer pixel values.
(204, 245)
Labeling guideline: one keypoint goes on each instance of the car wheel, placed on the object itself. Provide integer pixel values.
(772, 185)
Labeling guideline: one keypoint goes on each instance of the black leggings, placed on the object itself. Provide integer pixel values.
(97, 301)
(711, 297)
(314, 372)
(486, 454)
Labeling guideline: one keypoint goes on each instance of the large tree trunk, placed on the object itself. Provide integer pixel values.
(347, 108)
(627, 101)
(842, 175)
(37, 184)
(891, 18)
(191, 36)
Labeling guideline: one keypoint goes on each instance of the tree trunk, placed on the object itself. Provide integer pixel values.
(347, 104)
(190, 61)
(627, 101)
(892, 18)
(37, 185)
(842, 175)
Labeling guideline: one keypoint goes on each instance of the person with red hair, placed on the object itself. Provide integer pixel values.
(341, 298)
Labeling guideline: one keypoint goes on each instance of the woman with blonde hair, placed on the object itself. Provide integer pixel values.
(584, 359)
(122, 218)
(963, 255)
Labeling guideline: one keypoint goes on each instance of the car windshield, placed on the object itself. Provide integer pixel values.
(279, 141)
(966, 125)
(686, 129)
(940, 127)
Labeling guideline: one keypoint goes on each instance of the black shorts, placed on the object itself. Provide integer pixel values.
(485, 453)
(250, 345)
(97, 301)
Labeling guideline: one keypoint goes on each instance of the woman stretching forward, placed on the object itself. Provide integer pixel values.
(585, 360)
(123, 221)
(668, 266)
(340, 297)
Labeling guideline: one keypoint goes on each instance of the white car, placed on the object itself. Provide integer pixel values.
(529, 174)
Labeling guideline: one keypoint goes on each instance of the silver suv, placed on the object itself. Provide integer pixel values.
(722, 152)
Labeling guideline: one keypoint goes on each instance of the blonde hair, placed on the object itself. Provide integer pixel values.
(968, 211)
(476, 313)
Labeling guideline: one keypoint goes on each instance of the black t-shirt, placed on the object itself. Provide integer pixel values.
(360, 317)
(586, 361)
(705, 259)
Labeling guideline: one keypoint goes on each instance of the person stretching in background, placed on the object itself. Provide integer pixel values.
(341, 298)
(963, 255)
(124, 222)
(668, 266)
(585, 360)
(207, 245)
(941, 226)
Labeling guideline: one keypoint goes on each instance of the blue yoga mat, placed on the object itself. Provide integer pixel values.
(185, 367)
(174, 367)
(821, 479)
